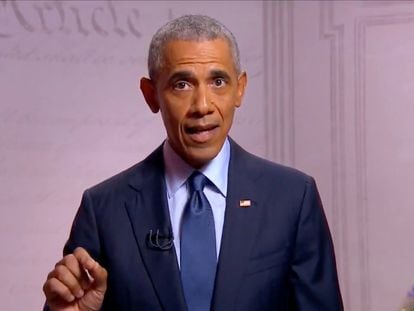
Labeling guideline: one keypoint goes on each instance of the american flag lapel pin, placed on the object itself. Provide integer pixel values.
(245, 203)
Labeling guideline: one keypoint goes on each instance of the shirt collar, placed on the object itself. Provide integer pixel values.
(177, 170)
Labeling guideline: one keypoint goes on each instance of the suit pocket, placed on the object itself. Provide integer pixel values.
(267, 262)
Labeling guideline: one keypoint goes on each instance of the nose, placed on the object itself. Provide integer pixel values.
(202, 102)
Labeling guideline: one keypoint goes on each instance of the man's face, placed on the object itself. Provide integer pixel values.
(197, 91)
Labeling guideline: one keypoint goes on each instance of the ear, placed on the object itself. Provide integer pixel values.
(150, 94)
(241, 86)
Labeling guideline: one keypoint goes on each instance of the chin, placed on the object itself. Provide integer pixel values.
(200, 157)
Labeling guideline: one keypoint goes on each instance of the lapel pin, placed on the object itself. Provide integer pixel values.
(245, 203)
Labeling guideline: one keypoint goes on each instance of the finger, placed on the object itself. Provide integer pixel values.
(100, 276)
(68, 279)
(73, 264)
(96, 271)
(56, 290)
(85, 260)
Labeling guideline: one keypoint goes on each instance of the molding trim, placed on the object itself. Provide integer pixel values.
(334, 33)
(384, 3)
(361, 26)
(279, 79)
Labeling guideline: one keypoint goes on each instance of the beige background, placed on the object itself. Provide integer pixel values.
(330, 92)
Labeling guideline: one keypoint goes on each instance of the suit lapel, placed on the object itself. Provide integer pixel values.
(239, 230)
(149, 211)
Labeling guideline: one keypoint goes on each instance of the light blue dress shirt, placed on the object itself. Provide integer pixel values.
(176, 173)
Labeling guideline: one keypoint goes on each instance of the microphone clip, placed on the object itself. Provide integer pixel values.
(159, 241)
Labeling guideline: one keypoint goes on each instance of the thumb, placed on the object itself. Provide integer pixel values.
(96, 273)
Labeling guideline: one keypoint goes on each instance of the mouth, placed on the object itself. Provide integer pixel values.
(201, 133)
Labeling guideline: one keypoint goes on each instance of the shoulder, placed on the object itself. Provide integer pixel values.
(265, 169)
(132, 177)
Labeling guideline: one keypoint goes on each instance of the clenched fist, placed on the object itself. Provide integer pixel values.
(77, 282)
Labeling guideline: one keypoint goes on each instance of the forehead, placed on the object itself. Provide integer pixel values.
(180, 53)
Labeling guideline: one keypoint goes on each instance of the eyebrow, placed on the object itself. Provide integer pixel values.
(186, 75)
(180, 75)
(219, 73)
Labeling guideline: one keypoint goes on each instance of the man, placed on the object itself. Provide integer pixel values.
(199, 224)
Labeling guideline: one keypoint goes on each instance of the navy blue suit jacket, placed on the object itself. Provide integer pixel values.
(276, 254)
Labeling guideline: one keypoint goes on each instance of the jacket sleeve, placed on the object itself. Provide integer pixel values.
(313, 272)
(84, 232)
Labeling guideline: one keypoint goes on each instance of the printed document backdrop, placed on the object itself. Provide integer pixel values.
(331, 92)
(71, 115)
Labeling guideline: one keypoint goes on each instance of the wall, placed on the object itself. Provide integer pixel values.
(71, 115)
(330, 92)
(352, 127)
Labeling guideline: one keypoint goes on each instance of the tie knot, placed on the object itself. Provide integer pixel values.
(197, 181)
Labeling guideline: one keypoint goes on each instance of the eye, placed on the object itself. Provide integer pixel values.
(219, 82)
(181, 85)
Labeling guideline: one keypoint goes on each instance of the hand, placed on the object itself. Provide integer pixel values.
(76, 283)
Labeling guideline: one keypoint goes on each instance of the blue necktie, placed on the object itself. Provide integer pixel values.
(198, 247)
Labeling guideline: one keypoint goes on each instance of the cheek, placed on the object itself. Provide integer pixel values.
(229, 117)
(227, 110)
(172, 120)
(175, 108)
(225, 103)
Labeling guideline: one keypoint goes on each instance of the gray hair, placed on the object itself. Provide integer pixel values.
(189, 28)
